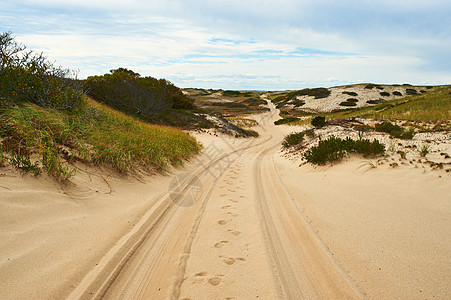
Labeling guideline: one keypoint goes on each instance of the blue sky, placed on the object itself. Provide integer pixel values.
(231, 44)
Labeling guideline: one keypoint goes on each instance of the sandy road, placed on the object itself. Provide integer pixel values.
(231, 230)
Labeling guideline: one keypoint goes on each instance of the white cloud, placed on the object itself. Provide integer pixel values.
(215, 42)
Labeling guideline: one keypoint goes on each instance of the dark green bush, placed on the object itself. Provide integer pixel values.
(350, 93)
(370, 86)
(318, 93)
(147, 98)
(318, 121)
(385, 94)
(376, 101)
(298, 103)
(347, 103)
(293, 139)
(231, 93)
(411, 91)
(396, 93)
(334, 148)
(352, 100)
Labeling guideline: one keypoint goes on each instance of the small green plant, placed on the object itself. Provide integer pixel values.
(396, 93)
(370, 86)
(310, 133)
(318, 121)
(385, 94)
(23, 163)
(392, 147)
(445, 155)
(425, 149)
(293, 139)
(402, 154)
(352, 100)
(369, 163)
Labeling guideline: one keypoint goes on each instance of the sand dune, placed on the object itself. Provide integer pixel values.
(240, 221)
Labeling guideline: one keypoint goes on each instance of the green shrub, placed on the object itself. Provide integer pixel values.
(286, 120)
(278, 99)
(293, 139)
(26, 76)
(394, 130)
(352, 100)
(147, 98)
(318, 121)
(385, 94)
(425, 149)
(370, 86)
(334, 148)
(396, 93)
(350, 93)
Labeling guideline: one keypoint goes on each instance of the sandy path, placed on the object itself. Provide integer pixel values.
(240, 222)
(242, 238)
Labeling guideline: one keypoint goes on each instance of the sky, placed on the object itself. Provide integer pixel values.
(242, 44)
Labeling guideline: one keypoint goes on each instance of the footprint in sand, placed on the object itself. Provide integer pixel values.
(226, 206)
(200, 274)
(231, 190)
(223, 195)
(216, 280)
(233, 214)
(230, 260)
(221, 244)
(222, 222)
(234, 232)
(234, 201)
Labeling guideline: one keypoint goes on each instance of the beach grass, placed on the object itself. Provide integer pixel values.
(33, 139)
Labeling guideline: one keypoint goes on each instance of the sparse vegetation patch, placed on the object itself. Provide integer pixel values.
(334, 149)
(293, 139)
(318, 121)
(286, 120)
(394, 130)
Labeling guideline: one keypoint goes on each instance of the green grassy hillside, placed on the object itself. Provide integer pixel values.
(47, 124)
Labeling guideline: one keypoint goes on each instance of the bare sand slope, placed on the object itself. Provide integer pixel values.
(238, 222)
(388, 228)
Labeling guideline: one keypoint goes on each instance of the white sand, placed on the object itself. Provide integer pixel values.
(258, 226)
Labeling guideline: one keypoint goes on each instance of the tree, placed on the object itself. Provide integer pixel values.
(26, 76)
